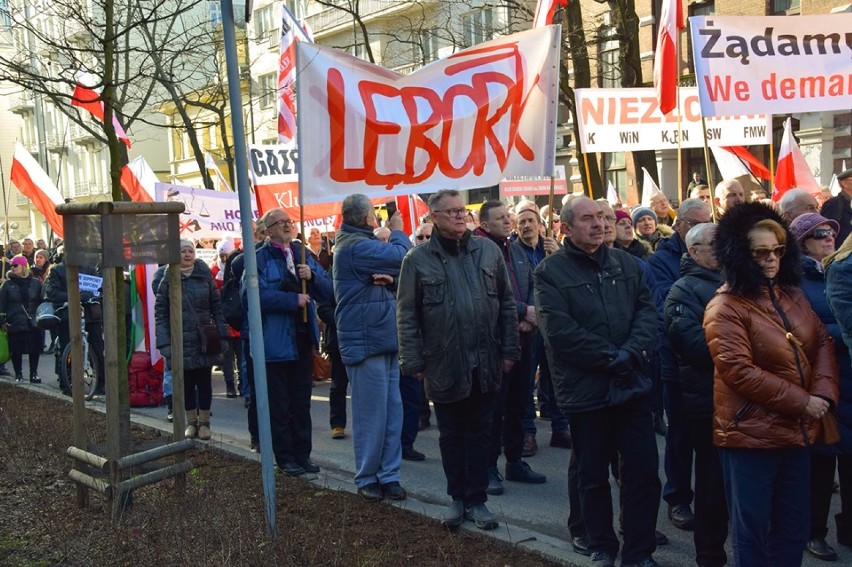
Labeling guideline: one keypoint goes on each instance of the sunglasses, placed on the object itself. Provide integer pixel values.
(823, 233)
(762, 254)
(423, 237)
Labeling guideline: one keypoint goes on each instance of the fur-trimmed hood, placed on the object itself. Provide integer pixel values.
(741, 273)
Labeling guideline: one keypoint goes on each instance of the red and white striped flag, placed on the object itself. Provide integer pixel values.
(291, 32)
(736, 161)
(665, 57)
(32, 181)
(138, 180)
(793, 172)
(87, 98)
(544, 11)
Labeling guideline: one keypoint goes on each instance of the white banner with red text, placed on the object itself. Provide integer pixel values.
(462, 122)
(773, 64)
(624, 120)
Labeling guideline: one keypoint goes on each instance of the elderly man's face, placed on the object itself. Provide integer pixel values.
(29, 246)
(498, 224)
(660, 204)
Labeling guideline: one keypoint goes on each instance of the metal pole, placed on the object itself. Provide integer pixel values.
(258, 353)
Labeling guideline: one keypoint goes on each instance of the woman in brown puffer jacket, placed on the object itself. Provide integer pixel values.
(775, 378)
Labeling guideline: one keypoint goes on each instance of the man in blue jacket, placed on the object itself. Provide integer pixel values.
(289, 339)
(365, 270)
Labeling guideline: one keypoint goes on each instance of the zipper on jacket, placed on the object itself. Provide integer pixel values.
(742, 412)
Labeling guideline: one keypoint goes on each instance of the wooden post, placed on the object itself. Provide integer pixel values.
(710, 179)
(176, 332)
(113, 419)
(72, 274)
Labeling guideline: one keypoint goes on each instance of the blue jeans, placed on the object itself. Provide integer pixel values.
(413, 399)
(167, 381)
(768, 494)
(678, 456)
(376, 419)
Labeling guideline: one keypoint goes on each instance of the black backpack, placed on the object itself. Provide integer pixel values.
(232, 306)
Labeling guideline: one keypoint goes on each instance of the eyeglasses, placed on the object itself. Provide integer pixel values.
(823, 233)
(693, 222)
(453, 212)
(712, 243)
(424, 236)
(762, 254)
(285, 223)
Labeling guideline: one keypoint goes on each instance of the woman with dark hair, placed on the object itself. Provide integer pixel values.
(775, 379)
(815, 234)
(20, 295)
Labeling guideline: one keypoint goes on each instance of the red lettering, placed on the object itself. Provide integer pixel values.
(629, 109)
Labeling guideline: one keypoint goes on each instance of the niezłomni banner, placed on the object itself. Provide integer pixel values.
(773, 64)
(625, 120)
(465, 121)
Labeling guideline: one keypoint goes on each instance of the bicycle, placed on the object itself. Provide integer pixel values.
(90, 367)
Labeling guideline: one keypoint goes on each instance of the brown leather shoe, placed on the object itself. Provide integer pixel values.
(530, 446)
(561, 439)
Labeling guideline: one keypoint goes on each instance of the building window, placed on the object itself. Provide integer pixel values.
(5, 18)
(609, 66)
(428, 47)
(704, 9)
(477, 26)
(359, 50)
(268, 89)
(615, 172)
(786, 6)
(264, 23)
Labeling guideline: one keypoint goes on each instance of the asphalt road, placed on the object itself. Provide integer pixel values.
(532, 516)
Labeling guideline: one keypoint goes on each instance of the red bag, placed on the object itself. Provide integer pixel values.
(146, 383)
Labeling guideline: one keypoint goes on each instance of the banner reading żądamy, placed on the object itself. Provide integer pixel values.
(772, 64)
(463, 122)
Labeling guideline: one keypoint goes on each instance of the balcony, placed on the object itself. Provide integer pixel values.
(21, 102)
(86, 188)
(55, 142)
(329, 19)
(80, 135)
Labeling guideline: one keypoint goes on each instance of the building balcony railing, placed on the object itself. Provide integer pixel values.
(21, 102)
(21, 199)
(80, 135)
(331, 18)
(55, 142)
(86, 188)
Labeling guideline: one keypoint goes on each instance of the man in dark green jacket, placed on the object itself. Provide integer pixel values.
(599, 323)
(457, 323)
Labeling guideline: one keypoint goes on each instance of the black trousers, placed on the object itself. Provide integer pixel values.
(337, 391)
(29, 343)
(711, 509)
(252, 393)
(823, 467)
(464, 429)
(289, 385)
(629, 430)
(197, 385)
(507, 427)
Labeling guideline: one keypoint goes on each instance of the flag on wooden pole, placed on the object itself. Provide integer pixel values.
(736, 161)
(138, 180)
(291, 32)
(33, 182)
(665, 56)
(793, 172)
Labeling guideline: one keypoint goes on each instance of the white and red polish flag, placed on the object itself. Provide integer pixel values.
(665, 57)
(87, 98)
(210, 163)
(736, 161)
(291, 32)
(612, 195)
(138, 181)
(32, 181)
(544, 11)
(793, 172)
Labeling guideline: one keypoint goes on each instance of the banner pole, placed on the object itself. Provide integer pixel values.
(304, 251)
(588, 175)
(549, 228)
(681, 192)
(771, 164)
(710, 180)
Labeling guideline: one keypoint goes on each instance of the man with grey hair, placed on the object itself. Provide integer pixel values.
(665, 265)
(422, 234)
(289, 338)
(598, 320)
(796, 202)
(458, 330)
(728, 193)
(364, 272)
(684, 315)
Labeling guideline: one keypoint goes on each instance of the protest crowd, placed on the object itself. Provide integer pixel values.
(723, 325)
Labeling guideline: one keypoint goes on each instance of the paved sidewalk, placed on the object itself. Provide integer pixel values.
(532, 516)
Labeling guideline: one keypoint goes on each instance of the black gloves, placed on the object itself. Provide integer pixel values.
(621, 366)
